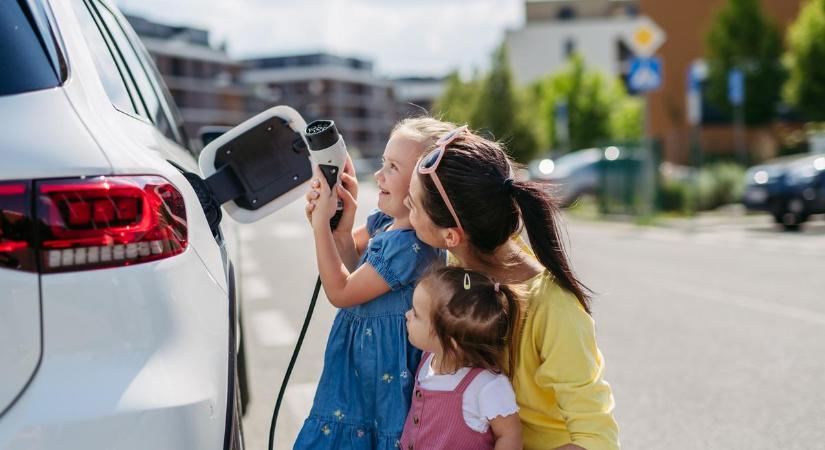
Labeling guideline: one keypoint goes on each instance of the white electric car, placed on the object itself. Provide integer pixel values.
(118, 312)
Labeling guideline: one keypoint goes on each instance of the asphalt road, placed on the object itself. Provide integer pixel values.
(714, 335)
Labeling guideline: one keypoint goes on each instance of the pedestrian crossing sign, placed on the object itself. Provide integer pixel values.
(645, 74)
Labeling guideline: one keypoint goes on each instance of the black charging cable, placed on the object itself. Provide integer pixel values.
(333, 224)
(292, 362)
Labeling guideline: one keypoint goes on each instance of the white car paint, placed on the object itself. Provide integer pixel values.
(133, 357)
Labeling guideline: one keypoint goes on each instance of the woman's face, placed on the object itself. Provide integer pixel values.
(425, 229)
(393, 178)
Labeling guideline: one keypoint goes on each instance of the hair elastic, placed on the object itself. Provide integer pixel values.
(467, 281)
(495, 287)
(508, 185)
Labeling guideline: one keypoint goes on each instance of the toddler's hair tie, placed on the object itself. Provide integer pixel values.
(495, 287)
(467, 281)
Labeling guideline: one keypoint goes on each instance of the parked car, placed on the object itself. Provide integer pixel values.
(790, 188)
(569, 176)
(587, 171)
(118, 308)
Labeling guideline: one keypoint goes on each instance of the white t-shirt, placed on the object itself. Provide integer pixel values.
(488, 396)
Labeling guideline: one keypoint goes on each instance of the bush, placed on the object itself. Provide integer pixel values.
(718, 184)
(674, 195)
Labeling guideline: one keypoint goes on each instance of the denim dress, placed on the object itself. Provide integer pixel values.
(369, 365)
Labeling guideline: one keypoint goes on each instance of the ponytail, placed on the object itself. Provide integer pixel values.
(541, 216)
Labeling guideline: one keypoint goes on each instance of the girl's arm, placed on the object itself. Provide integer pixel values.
(507, 432)
(343, 288)
(351, 246)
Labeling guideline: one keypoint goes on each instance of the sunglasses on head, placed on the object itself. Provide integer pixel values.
(429, 163)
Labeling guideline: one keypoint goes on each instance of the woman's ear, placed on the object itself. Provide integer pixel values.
(452, 237)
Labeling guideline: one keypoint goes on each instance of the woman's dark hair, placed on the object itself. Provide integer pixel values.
(492, 206)
(476, 321)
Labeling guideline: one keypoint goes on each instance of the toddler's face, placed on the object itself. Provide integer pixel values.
(419, 324)
(393, 178)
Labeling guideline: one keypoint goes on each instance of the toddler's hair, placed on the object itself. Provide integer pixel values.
(476, 321)
(423, 129)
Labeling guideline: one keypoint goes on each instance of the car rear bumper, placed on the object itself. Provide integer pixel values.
(133, 358)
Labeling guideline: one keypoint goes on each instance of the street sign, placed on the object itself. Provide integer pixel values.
(645, 38)
(736, 87)
(697, 73)
(645, 74)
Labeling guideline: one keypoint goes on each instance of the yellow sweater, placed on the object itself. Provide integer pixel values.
(559, 380)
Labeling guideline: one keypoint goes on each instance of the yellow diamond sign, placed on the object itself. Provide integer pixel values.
(644, 38)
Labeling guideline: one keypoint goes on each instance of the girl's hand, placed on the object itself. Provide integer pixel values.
(325, 204)
(350, 183)
(348, 193)
(312, 197)
(349, 179)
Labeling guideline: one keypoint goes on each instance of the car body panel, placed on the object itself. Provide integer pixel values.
(132, 359)
(19, 332)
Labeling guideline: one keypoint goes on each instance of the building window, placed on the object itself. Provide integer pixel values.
(566, 13)
(177, 67)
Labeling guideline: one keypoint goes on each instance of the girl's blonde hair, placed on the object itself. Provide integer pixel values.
(423, 130)
(476, 321)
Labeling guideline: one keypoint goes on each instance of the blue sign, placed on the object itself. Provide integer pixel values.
(736, 87)
(645, 74)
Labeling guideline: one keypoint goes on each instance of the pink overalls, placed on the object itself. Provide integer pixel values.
(436, 421)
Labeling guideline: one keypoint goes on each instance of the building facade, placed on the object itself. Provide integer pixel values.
(685, 24)
(327, 86)
(416, 95)
(204, 81)
(555, 29)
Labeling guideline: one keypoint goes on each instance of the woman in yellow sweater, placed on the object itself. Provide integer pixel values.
(463, 198)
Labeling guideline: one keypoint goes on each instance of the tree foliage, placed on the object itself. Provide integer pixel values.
(805, 59)
(742, 36)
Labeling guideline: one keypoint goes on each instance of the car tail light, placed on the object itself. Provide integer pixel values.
(89, 223)
(16, 243)
(108, 221)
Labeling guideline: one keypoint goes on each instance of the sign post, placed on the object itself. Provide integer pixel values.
(644, 76)
(697, 73)
(736, 96)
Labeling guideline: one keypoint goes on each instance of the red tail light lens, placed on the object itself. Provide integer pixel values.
(108, 221)
(16, 249)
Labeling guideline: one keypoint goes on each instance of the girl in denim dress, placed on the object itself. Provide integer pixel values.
(369, 366)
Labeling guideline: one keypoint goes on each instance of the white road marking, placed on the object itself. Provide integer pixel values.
(255, 288)
(273, 329)
(290, 230)
(756, 304)
(250, 266)
(299, 399)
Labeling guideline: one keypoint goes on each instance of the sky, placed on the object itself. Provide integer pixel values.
(402, 37)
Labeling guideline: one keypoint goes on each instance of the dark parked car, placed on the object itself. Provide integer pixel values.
(791, 188)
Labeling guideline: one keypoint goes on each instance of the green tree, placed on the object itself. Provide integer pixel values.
(598, 107)
(741, 36)
(500, 110)
(805, 89)
(458, 101)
